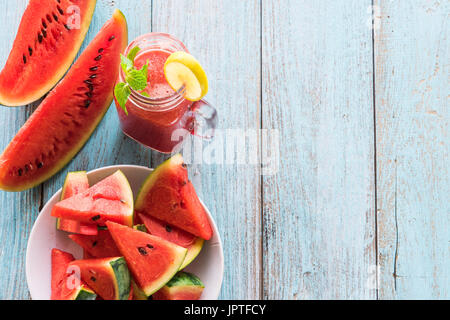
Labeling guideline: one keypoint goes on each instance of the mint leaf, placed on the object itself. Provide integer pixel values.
(137, 79)
(122, 92)
(144, 69)
(133, 53)
(126, 63)
(145, 94)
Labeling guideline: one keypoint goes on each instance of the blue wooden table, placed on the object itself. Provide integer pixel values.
(355, 203)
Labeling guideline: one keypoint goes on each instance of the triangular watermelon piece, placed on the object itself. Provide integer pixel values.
(184, 286)
(75, 183)
(99, 246)
(173, 234)
(109, 277)
(168, 195)
(152, 261)
(109, 199)
(60, 280)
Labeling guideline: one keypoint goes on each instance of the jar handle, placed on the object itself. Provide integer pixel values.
(205, 120)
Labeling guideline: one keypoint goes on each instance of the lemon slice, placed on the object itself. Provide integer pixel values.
(182, 69)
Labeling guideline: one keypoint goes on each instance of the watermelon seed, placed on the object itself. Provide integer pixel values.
(142, 251)
(87, 103)
(183, 205)
(61, 11)
(40, 165)
(44, 24)
(150, 246)
(24, 59)
(89, 95)
(89, 82)
(94, 243)
(67, 27)
(95, 218)
(183, 183)
(44, 33)
(49, 19)
(55, 16)
(97, 58)
(100, 50)
(112, 38)
(168, 228)
(93, 76)
(90, 87)
(20, 171)
(40, 38)
(30, 50)
(93, 279)
(94, 68)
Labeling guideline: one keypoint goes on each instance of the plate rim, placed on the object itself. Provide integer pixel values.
(119, 166)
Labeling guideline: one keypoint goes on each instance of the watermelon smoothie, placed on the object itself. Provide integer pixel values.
(163, 119)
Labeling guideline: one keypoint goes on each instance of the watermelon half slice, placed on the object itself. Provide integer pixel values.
(168, 195)
(50, 34)
(173, 234)
(109, 199)
(67, 117)
(184, 286)
(76, 182)
(109, 277)
(61, 280)
(152, 261)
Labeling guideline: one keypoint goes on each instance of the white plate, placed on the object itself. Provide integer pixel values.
(208, 266)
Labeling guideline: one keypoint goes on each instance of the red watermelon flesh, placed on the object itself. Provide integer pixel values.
(49, 37)
(110, 199)
(99, 246)
(109, 277)
(152, 261)
(67, 117)
(168, 195)
(76, 182)
(60, 276)
(170, 233)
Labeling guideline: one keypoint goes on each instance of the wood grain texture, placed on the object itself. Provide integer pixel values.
(412, 113)
(225, 37)
(319, 220)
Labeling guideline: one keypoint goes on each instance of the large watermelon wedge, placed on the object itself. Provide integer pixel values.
(49, 37)
(152, 261)
(61, 280)
(109, 199)
(109, 277)
(99, 246)
(76, 182)
(173, 234)
(183, 286)
(64, 121)
(168, 195)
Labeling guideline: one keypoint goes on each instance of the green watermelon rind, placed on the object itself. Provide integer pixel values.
(140, 227)
(123, 278)
(193, 251)
(84, 293)
(182, 279)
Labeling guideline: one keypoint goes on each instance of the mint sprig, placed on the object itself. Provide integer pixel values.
(135, 79)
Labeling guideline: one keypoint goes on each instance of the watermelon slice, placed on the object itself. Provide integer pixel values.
(153, 261)
(68, 116)
(109, 277)
(61, 280)
(109, 199)
(168, 195)
(173, 234)
(99, 246)
(184, 286)
(49, 37)
(76, 182)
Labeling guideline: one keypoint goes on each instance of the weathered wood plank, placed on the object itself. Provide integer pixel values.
(412, 115)
(319, 219)
(225, 37)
